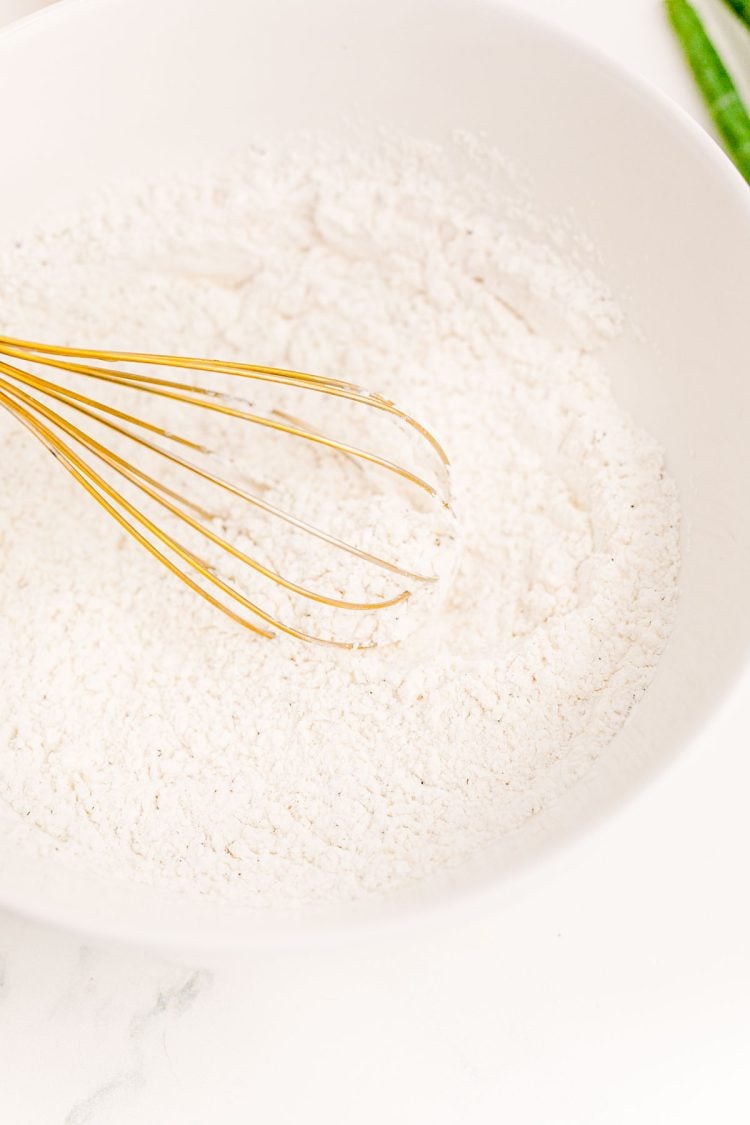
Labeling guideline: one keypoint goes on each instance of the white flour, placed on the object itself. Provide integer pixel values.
(145, 736)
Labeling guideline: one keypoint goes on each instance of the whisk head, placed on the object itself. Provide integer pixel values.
(206, 496)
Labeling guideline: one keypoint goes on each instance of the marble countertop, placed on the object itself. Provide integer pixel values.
(616, 995)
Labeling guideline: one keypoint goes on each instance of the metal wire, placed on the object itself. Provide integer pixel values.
(19, 394)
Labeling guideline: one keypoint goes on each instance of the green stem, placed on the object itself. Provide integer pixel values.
(714, 81)
(742, 8)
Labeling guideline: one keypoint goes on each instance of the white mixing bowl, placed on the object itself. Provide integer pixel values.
(92, 90)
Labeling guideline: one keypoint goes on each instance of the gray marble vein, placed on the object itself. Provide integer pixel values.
(171, 1001)
(142, 1041)
(90, 1108)
(85, 1028)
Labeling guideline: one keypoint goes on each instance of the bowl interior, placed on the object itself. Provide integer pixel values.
(123, 88)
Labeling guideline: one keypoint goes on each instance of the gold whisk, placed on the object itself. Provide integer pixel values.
(27, 395)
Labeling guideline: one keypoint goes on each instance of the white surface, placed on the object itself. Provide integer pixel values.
(14, 9)
(530, 1015)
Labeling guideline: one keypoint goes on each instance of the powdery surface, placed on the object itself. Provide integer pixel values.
(146, 737)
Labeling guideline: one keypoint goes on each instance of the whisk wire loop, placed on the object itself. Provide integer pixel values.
(19, 391)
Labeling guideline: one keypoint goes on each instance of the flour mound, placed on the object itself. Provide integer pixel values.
(146, 737)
